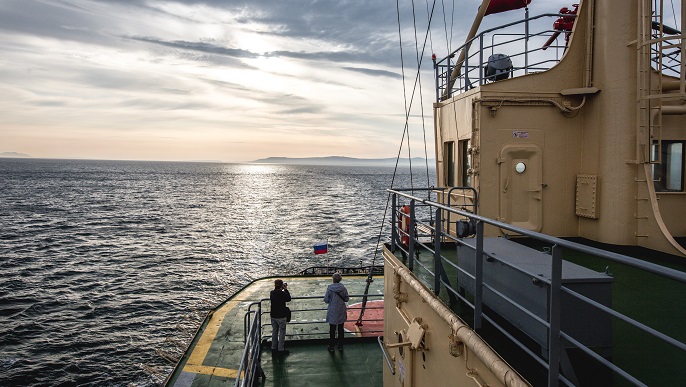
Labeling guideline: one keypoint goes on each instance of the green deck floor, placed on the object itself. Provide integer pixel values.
(311, 364)
(215, 353)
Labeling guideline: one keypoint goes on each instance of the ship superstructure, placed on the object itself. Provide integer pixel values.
(573, 123)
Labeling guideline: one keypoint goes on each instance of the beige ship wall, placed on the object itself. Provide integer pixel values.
(587, 156)
(501, 124)
(611, 128)
(448, 351)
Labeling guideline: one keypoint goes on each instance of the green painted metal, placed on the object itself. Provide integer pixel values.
(311, 364)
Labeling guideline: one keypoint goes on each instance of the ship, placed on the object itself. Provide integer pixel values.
(550, 250)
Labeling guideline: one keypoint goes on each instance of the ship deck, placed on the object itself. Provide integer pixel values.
(310, 364)
(215, 354)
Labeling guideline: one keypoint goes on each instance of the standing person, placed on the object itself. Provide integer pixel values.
(336, 313)
(279, 297)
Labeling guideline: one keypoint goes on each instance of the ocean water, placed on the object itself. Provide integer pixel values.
(108, 267)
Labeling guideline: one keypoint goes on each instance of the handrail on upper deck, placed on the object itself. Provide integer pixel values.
(474, 75)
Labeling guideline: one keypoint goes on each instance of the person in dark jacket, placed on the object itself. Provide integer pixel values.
(336, 313)
(279, 297)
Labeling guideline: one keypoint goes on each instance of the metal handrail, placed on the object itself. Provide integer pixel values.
(390, 365)
(473, 73)
(615, 257)
(322, 270)
(669, 63)
(250, 361)
(400, 198)
(297, 311)
(252, 332)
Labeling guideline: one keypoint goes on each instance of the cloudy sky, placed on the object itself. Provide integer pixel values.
(217, 79)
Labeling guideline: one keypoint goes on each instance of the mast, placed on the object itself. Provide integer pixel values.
(472, 33)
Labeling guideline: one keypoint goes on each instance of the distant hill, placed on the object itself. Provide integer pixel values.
(340, 160)
(13, 155)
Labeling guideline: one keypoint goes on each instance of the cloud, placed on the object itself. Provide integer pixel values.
(375, 72)
(212, 72)
(200, 47)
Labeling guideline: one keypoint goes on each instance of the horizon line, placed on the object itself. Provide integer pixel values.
(4, 155)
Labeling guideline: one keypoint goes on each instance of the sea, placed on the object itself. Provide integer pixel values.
(107, 268)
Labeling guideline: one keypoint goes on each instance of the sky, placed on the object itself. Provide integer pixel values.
(222, 80)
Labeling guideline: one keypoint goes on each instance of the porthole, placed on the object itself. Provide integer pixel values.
(520, 167)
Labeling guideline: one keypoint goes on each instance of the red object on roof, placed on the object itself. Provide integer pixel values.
(497, 6)
(372, 321)
(566, 23)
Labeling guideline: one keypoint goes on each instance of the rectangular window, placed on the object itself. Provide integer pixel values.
(675, 171)
(449, 163)
(669, 174)
(465, 164)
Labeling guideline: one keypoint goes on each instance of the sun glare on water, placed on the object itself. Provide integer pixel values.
(257, 169)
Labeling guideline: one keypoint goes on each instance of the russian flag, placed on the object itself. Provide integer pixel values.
(320, 248)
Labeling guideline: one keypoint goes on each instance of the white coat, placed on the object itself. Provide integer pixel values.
(336, 313)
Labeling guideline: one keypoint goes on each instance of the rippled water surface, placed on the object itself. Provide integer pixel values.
(107, 267)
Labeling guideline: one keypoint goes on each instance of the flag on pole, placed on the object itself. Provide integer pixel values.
(321, 248)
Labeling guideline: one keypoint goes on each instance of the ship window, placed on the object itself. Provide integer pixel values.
(520, 167)
(465, 164)
(668, 175)
(449, 163)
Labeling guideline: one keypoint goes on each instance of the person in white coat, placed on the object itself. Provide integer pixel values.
(336, 313)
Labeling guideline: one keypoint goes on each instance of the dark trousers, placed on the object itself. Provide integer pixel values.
(332, 334)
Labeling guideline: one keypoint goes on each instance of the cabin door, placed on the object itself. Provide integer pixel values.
(521, 188)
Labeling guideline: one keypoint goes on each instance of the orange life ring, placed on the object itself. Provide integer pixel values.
(404, 224)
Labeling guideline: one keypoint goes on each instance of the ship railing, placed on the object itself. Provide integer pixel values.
(668, 62)
(666, 48)
(328, 270)
(464, 198)
(249, 368)
(530, 43)
(307, 323)
(459, 198)
(307, 317)
(556, 337)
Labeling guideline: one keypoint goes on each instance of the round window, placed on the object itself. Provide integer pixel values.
(520, 167)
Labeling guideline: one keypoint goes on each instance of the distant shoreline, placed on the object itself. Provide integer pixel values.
(320, 161)
(341, 160)
(14, 155)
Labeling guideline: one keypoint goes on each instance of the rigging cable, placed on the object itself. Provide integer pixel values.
(405, 130)
(448, 42)
(421, 100)
(421, 97)
(452, 24)
(419, 61)
(674, 13)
